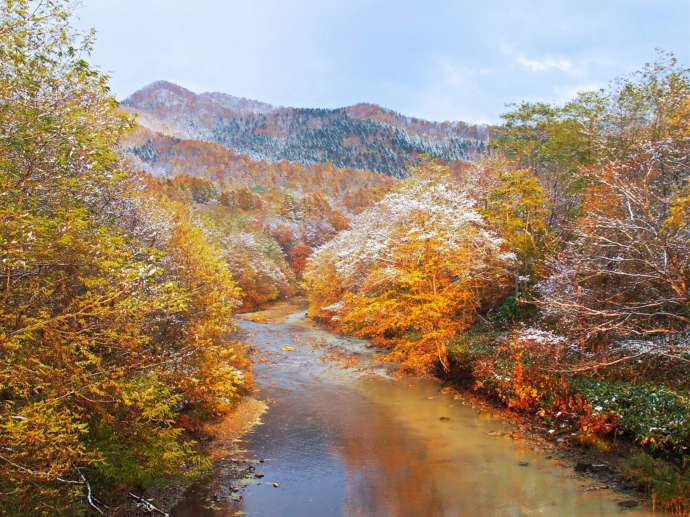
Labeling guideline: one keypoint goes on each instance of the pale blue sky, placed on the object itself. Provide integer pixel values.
(435, 59)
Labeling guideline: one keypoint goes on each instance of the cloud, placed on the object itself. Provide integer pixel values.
(541, 65)
(569, 92)
(453, 74)
(451, 90)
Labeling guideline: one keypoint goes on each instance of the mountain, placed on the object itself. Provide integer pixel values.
(362, 136)
(237, 104)
(419, 127)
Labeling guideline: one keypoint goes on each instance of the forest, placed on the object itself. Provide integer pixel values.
(545, 268)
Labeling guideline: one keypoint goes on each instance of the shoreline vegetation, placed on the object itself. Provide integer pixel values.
(218, 439)
(116, 328)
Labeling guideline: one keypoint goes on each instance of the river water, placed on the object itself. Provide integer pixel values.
(342, 437)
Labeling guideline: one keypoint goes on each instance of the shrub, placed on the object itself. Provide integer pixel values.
(520, 372)
(666, 484)
(468, 348)
(654, 415)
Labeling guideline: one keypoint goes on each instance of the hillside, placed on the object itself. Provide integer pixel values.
(363, 136)
(266, 216)
(163, 155)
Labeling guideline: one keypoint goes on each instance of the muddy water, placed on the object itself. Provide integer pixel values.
(342, 437)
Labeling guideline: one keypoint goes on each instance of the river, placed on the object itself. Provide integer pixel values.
(343, 437)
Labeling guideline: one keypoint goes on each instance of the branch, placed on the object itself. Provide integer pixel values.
(147, 505)
(598, 365)
(89, 494)
(652, 352)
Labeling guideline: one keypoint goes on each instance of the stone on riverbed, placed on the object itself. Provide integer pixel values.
(591, 467)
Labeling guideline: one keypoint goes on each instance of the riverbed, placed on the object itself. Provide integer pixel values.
(344, 436)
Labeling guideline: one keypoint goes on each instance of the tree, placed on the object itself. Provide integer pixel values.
(115, 311)
(554, 143)
(415, 268)
(626, 273)
(515, 205)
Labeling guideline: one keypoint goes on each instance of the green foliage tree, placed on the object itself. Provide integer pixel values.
(554, 143)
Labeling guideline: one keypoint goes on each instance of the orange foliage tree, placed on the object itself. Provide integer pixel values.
(415, 269)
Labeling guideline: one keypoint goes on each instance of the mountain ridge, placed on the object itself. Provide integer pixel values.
(363, 135)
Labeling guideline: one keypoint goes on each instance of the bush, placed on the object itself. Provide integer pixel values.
(466, 349)
(667, 485)
(654, 415)
(520, 371)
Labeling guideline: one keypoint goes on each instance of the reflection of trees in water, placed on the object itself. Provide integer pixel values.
(401, 461)
(389, 472)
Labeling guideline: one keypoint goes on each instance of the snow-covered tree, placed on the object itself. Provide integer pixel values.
(414, 269)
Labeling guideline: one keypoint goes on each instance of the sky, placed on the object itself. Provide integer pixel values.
(433, 59)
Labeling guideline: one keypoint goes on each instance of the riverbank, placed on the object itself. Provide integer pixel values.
(219, 441)
(628, 436)
(601, 468)
(342, 436)
(492, 370)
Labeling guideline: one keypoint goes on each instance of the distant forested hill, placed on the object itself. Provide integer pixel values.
(363, 136)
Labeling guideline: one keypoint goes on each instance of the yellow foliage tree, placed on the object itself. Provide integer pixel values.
(517, 208)
(115, 310)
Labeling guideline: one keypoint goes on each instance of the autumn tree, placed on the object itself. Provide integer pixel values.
(626, 273)
(554, 143)
(415, 268)
(115, 310)
(513, 202)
